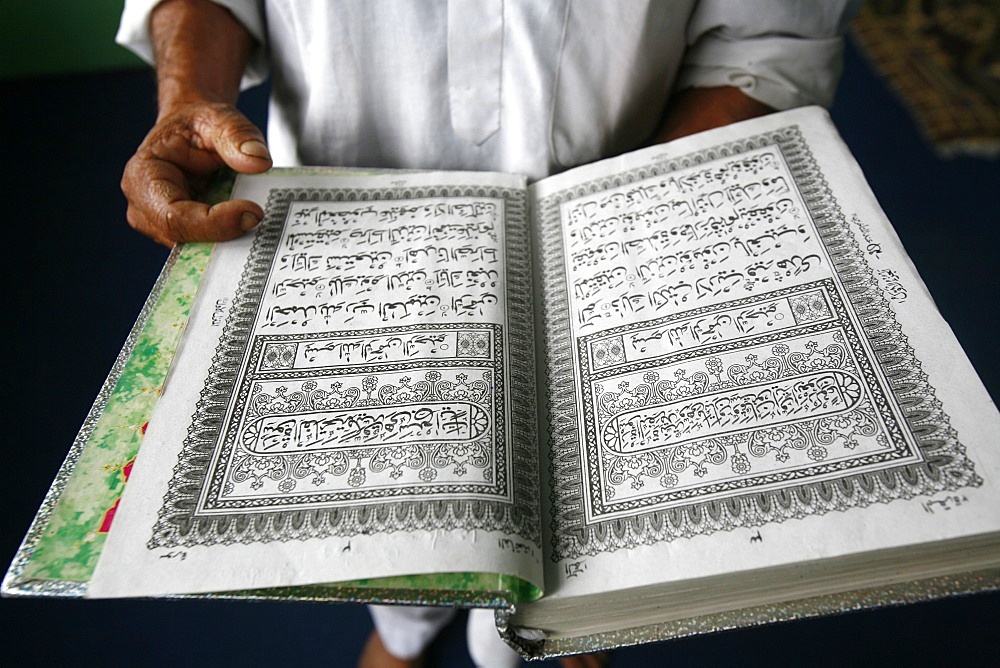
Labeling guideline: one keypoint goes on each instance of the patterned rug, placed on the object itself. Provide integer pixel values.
(943, 59)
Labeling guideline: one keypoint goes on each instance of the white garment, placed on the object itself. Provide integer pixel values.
(406, 631)
(523, 86)
(511, 85)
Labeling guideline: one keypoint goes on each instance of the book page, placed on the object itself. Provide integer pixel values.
(344, 404)
(745, 369)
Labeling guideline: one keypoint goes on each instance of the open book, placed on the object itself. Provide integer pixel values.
(689, 388)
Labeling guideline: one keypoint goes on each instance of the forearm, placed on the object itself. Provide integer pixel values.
(697, 109)
(201, 51)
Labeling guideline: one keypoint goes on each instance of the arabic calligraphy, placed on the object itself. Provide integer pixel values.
(366, 369)
(373, 363)
(357, 264)
(717, 414)
(737, 356)
(317, 431)
(325, 351)
(764, 411)
(364, 428)
(717, 231)
(752, 318)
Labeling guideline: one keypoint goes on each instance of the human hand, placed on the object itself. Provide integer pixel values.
(696, 109)
(188, 145)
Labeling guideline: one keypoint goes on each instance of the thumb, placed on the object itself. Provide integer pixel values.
(236, 140)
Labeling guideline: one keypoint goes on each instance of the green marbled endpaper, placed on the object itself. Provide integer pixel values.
(70, 543)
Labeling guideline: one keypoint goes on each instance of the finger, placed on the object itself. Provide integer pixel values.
(187, 220)
(237, 141)
(160, 206)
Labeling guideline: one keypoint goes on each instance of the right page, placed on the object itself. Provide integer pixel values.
(745, 370)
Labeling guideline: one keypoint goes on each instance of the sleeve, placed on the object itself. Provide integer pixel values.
(133, 32)
(784, 53)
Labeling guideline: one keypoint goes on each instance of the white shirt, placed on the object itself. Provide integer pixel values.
(526, 86)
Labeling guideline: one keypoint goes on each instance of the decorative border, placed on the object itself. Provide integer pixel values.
(359, 394)
(856, 405)
(182, 518)
(942, 463)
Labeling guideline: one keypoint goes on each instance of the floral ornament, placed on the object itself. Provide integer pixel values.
(462, 389)
(777, 440)
(263, 404)
(817, 453)
(651, 391)
(714, 366)
(284, 458)
(368, 385)
(740, 464)
(318, 464)
(307, 397)
(754, 371)
(460, 456)
(337, 397)
(608, 352)
(808, 307)
(279, 356)
(848, 426)
(623, 400)
(427, 388)
(356, 477)
(684, 386)
(633, 468)
(398, 394)
(473, 344)
(833, 356)
(395, 458)
(256, 469)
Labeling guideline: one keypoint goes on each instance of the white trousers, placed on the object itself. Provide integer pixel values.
(406, 631)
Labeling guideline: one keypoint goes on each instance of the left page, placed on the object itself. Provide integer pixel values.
(345, 403)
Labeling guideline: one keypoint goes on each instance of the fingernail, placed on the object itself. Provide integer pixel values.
(255, 149)
(248, 221)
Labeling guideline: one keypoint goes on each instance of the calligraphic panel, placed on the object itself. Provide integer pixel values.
(382, 429)
(739, 412)
(363, 381)
(709, 363)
